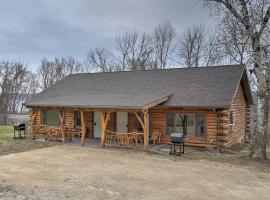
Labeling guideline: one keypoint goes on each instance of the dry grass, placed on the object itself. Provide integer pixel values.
(240, 158)
(74, 172)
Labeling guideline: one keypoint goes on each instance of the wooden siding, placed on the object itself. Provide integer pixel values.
(37, 118)
(133, 123)
(158, 121)
(238, 110)
(69, 119)
(89, 123)
(112, 122)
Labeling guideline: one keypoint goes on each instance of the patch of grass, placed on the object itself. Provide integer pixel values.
(6, 132)
(9, 145)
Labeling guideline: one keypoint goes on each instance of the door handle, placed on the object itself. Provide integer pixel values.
(95, 124)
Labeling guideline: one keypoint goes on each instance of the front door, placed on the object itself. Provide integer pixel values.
(122, 122)
(97, 125)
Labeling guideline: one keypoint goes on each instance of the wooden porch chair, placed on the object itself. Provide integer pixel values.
(77, 132)
(156, 136)
(69, 133)
(111, 137)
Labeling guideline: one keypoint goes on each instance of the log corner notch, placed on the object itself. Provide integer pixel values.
(104, 118)
(145, 126)
(33, 119)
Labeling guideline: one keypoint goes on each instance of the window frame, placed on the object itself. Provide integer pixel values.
(185, 123)
(75, 120)
(46, 124)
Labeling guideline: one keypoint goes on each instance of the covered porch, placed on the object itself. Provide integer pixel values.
(107, 123)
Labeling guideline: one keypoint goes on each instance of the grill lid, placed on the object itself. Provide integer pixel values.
(177, 137)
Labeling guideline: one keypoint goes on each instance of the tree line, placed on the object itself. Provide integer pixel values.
(241, 36)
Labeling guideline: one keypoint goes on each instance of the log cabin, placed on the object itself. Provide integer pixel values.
(210, 105)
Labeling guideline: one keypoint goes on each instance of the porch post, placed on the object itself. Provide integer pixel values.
(102, 141)
(33, 118)
(62, 118)
(146, 130)
(139, 119)
(83, 128)
(104, 121)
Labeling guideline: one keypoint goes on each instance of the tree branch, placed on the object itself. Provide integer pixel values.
(244, 20)
(264, 22)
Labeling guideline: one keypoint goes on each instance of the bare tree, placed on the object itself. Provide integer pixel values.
(19, 79)
(29, 88)
(254, 17)
(140, 52)
(100, 59)
(163, 46)
(123, 44)
(191, 46)
(136, 51)
(233, 40)
(51, 71)
(14, 86)
(6, 88)
(211, 51)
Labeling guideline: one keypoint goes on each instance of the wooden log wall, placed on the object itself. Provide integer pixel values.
(69, 119)
(111, 126)
(133, 123)
(248, 120)
(222, 126)
(238, 110)
(89, 123)
(38, 116)
(216, 122)
(158, 121)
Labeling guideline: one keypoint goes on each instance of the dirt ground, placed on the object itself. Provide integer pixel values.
(74, 172)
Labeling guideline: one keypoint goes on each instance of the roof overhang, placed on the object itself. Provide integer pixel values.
(124, 101)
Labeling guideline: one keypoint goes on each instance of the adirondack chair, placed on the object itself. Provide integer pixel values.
(156, 136)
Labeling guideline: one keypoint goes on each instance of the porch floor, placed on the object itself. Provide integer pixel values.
(153, 148)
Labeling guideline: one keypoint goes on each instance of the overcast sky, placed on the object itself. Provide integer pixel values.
(32, 29)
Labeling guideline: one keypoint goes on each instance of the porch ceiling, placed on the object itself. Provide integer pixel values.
(116, 101)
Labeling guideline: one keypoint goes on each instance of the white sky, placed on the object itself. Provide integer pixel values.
(32, 29)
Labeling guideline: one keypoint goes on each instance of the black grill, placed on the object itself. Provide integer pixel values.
(19, 128)
(177, 139)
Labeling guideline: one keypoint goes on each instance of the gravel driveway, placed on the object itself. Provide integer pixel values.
(74, 172)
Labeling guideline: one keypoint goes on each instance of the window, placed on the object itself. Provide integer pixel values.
(77, 118)
(200, 127)
(190, 124)
(231, 117)
(50, 117)
(175, 123)
(231, 123)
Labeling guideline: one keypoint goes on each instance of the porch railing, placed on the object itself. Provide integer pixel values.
(131, 139)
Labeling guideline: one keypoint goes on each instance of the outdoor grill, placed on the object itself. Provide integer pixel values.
(19, 128)
(177, 139)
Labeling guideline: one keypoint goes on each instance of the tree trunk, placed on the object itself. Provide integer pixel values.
(258, 147)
